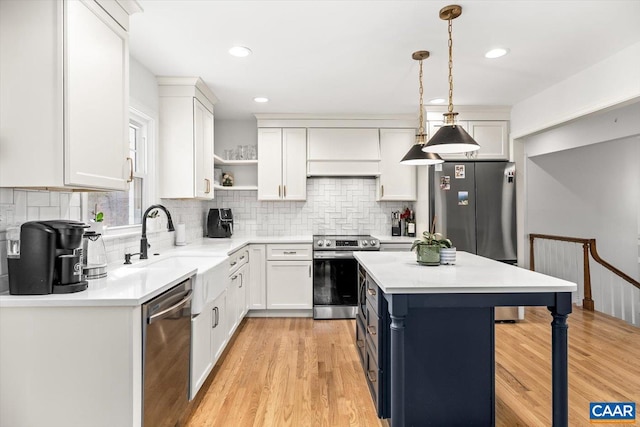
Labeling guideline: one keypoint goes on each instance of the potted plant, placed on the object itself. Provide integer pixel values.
(428, 248)
(97, 222)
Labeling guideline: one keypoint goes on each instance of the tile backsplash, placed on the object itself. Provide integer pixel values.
(333, 206)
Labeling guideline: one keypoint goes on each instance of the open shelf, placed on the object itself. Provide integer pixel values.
(236, 187)
(220, 161)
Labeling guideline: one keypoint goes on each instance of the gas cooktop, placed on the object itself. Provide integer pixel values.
(360, 242)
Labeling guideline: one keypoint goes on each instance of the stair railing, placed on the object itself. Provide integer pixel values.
(588, 247)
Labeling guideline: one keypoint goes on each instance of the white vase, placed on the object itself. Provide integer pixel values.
(447, 256)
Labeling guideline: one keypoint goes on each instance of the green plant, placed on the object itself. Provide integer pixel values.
(97, 216)
(432, 239)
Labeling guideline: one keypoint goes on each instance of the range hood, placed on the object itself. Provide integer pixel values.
(343, 152)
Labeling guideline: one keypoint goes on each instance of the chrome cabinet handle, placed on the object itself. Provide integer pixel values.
(130, 160)
(172, 309)
(372, 375)
(371, 329)
(371, 292)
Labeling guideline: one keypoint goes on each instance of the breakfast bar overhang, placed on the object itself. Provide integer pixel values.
(441, 347)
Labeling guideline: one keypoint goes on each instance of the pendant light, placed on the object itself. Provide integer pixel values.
(451, 138)
(415, 155)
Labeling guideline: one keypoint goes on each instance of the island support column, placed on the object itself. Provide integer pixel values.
(398, 312)
(559, 354)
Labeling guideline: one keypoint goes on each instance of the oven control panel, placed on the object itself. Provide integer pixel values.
(336, 243)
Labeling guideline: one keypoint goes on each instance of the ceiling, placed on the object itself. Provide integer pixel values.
(354, 57)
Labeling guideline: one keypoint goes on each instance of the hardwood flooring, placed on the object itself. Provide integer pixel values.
(300, 372)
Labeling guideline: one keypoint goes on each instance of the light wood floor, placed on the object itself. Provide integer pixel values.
(301, 372)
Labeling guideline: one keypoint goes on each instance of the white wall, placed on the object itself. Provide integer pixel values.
(143, 88)
(608, 83)
(229, 134)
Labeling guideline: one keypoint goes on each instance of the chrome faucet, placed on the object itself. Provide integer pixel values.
(144, 245)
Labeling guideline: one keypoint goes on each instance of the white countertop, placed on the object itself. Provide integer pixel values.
(394, 239)
(131, 285)
(399, 273)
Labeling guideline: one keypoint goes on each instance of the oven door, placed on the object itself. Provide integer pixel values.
(335, 285)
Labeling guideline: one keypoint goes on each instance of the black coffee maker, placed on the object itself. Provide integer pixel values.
(219, 223)
(49, 259)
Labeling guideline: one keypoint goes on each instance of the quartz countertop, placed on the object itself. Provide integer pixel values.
(131, 285)
(399, 273)
(394, 239)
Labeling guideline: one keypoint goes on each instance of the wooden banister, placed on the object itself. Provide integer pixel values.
(588, 246)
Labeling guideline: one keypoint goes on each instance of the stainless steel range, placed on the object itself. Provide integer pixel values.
(335, 274)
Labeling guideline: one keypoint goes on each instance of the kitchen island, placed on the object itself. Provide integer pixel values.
(436, 351)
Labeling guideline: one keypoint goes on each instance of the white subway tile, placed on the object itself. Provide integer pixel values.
(49, 213)
(33, 214)
(6, 196)
(37, 198)
(54, 198)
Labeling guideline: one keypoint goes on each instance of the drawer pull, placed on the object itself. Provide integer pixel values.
(371, 292)
(234, 277)
(290, 252)
(234, 263)
(360, 343)
(242, 257)
(372, 375)
(371, 329)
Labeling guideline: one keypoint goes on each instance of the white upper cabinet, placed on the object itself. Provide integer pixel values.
(65, 67)
(282, 164)
(186, 138)
(492, 135)
(396, 181)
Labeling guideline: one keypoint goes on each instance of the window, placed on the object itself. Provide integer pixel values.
(124, 208)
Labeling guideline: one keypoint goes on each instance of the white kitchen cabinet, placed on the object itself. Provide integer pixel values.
(186, 138)
(492, 135)
(282, 164)
(396, 181)
(208, 340)
(65, 66)
(257, 277)
(237, 301)
(289, 276)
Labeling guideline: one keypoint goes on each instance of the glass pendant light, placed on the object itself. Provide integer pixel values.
(451, 138)
(415, 155)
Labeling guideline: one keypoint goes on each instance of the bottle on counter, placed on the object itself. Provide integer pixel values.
(410, 225)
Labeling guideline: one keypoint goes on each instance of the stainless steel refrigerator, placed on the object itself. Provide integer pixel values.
(475, 206)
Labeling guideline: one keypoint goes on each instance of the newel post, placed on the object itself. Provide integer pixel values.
(587, 302)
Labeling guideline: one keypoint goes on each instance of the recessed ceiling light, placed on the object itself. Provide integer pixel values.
(240, 51)
(496, 53)
(437, 101)
(261, 99)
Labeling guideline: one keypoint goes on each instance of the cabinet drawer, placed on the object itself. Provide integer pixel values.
(372, 328)
(361, 339)
(373, 292)
(238, 259)
(293, 252)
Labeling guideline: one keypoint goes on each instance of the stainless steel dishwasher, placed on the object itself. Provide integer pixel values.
(166, 347)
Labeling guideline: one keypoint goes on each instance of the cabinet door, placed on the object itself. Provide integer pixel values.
(269, 164)
(201, 349)
(203, 150)
(96, 98)
(493, 137)
(232, 303)
(289, 285)
(243, 295)
(257, 278)
(397, 181)
(294, 164)
(219, 332)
